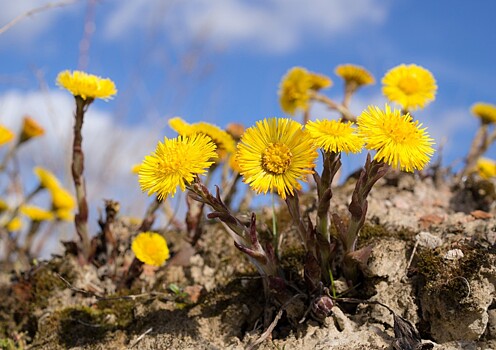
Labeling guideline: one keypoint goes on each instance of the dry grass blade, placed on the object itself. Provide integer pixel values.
(34, 11)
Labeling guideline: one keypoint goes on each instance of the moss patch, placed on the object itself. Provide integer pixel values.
(447, 277)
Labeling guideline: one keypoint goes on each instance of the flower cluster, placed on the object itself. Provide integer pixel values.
(296, 87)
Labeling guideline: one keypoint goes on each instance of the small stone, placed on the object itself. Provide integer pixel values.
(430, 219)
(427, 240)
(453, 254)
(480, 214)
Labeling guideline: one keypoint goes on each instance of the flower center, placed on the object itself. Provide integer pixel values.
(409, 85)
(276, 158)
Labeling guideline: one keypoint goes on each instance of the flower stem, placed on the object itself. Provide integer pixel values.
(81, 217)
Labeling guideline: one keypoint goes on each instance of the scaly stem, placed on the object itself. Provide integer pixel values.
(81, 217)
(480, 144)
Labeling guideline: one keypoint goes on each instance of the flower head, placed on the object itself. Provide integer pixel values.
(3, 205)
(87, 86)
(398, 140)
(335, 136)
(224, 142)
(354, 75)
(46, 178)
(62, 199)
(150, 248)
(319, 81)
(176, 162)
(296, 86)
(30, 129)
(485, 111)
(36, 213)
(486, 168)
(275, 154)
(5, 135)
(410, 86)
(14, 225)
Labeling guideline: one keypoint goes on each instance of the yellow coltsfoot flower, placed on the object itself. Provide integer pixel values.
(410, 86)
(36, 213)
(14, 225)
(275, 154)
(5, 135)
(176, 162)
(87, 86)
(30, 129)
(296, 86)
(354, 75)
(398, 140)
(150, 248)
(485, 111)
(335, 136)
(486, 168)
(46, 178)
(223, 141)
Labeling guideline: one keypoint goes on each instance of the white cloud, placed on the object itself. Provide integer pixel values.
(110, 148)
(273, 25)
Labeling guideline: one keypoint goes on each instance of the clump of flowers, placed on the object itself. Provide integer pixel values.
(85, 88)
(411, 86)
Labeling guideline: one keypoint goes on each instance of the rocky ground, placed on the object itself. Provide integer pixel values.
(432, 263)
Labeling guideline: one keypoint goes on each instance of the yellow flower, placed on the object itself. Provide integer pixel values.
(410, 86)
(224, 142)
(85, 85)
(485, 111)
(150, 248)
(398, 140)
(3, 205)
(5, 135)
(176, 162)
(486, 168)
(294, 90)
(180, 126)
(64, 214)
(14, 225)
(62, 199)
(354, 75)
(30, 129)
(234, 164)
(319, 81)
(46, 178)
(275, 154)
(36, 213)
(335, 136)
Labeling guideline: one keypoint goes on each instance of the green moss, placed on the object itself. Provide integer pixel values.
(82, 325)
(370, 232)
(449, 278)
(122, 309)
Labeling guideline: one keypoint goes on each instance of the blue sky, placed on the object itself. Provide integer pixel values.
(221, 61)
